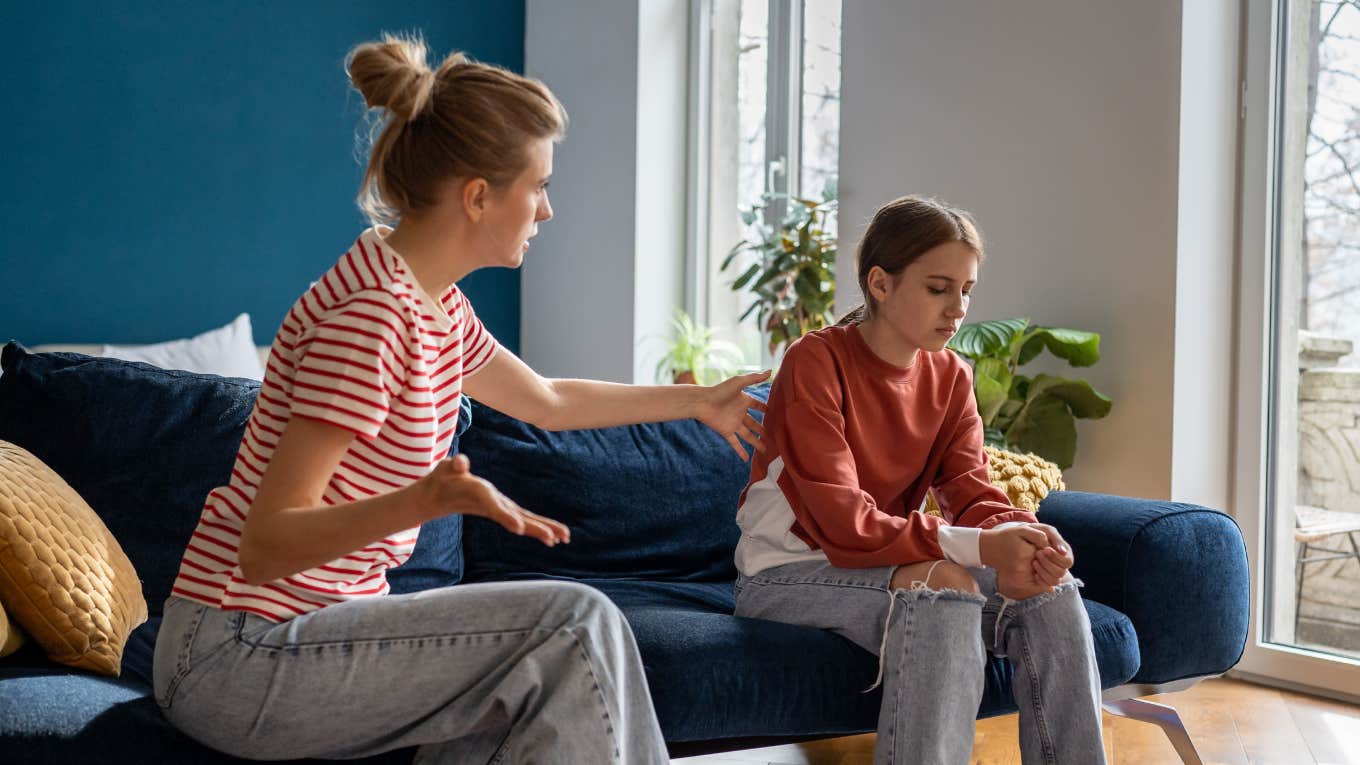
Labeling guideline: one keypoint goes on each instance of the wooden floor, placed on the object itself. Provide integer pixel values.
(1230, 721)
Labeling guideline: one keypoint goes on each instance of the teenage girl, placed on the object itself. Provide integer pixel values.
(279, 640)
(864, 418)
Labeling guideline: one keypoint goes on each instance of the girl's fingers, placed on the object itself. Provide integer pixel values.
(1047, 575)
(1050, 563)
(736, 447)
(754, 403)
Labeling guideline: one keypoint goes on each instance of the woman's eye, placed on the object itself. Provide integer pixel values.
(934, 291)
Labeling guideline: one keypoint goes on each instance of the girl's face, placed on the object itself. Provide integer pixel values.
(514, 211)
(923, 306)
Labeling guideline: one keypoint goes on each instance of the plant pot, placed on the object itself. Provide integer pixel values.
(685, 378)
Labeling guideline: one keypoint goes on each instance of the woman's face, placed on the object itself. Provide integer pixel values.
(514, 211)
(926, 302)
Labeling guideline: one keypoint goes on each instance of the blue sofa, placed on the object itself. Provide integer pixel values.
(651, 510)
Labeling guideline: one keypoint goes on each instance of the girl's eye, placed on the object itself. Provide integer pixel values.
(934, 291)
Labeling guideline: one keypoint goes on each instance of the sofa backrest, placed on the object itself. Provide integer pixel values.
(654, 501)
(143, 446)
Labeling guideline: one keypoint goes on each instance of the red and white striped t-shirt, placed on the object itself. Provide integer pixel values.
(368, 350)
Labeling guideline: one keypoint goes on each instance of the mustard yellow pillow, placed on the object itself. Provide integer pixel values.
(63, 577)
(10, 636)
(1026, 479)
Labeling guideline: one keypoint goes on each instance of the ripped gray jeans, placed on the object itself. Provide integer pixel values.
(932, 646)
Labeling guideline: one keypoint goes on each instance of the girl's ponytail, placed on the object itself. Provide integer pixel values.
(855, 316)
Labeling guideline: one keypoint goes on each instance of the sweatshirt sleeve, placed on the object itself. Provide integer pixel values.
(819, 474)
(965, 493)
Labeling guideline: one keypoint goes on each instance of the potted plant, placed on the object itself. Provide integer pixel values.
(694, 355)
(1031, 414)
(793, 277)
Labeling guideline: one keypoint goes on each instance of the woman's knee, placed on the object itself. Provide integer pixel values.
(936, 575)
(582, 604)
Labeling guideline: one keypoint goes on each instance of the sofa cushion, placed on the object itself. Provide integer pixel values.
(11, 637)
(713, 675)
(62, 574)
(655, 501)
(53, 716)
(147, 476)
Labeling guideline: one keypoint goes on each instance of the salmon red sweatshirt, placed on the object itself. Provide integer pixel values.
(852, 445)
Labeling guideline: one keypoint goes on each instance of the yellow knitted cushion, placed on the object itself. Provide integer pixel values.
(10, 636)
(63, 577)
(1026, 479)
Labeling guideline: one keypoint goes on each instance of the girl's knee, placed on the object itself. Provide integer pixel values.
(935, 575)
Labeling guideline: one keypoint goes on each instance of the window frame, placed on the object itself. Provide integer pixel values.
(783, 138)
(1262, 393)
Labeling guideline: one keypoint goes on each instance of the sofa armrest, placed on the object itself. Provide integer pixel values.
(1178, 571)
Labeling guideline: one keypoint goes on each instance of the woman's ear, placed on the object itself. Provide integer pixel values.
(474, 195)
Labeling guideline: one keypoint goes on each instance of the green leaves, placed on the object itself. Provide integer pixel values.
(1080, 349)
(1035, 414)
(693, 348)
(790, 270)
(987, 338)
(992, 385)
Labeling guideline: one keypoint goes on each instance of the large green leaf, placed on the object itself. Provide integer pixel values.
(991, 385)
(1084, 401)
(987, 338)
(1047, 428)
(1080, 349)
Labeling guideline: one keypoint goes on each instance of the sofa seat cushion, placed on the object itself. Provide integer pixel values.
(718, 676)
(56, 716)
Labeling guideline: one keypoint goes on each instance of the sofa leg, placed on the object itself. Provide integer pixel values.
(1162, 716)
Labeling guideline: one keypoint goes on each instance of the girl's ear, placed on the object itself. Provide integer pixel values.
(475, 193)
(879, 283)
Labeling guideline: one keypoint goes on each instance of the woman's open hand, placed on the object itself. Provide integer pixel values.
(452, 488)
(724, 409)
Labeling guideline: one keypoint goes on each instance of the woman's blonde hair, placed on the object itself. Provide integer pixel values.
(462, 120)
(902, 231)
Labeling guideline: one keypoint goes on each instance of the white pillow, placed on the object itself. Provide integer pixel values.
(228, 351)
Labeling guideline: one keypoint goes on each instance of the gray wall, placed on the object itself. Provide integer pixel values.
(576, 298)
(1058, 124)
(603, 276)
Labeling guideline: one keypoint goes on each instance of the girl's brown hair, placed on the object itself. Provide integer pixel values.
(902, 231)
(462, 120)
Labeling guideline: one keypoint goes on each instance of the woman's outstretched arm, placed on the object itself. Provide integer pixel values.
(508, 384)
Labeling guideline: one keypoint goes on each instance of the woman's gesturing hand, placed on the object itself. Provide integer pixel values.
(452, 488)
(724, 409)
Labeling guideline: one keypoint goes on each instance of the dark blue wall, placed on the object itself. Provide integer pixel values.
(168, 165)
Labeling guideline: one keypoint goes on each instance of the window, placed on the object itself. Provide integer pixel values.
(765, 119)
(1298, 451)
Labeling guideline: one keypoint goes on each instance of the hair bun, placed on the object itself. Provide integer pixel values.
(393, 74)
